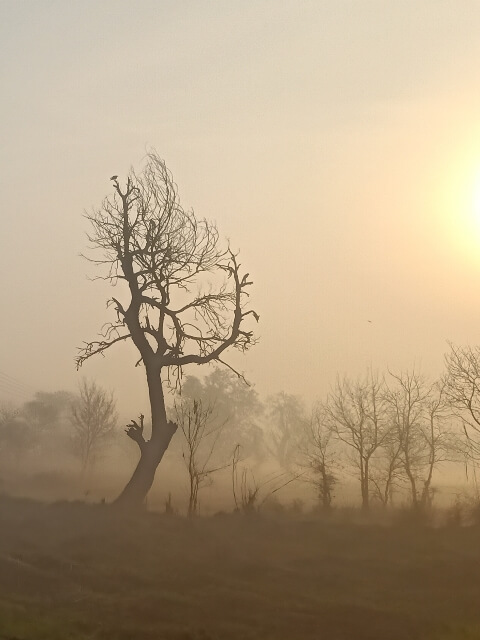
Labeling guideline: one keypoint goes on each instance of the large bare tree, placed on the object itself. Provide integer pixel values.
(184, 296)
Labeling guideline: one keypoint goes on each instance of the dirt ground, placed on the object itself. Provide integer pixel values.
(71, 571)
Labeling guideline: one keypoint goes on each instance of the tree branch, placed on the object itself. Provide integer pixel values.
(95, 347)
(135, 431)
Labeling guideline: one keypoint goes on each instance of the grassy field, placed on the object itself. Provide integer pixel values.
(70, 571)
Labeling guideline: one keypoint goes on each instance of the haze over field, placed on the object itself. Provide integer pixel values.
(284, 192)
(335, 143)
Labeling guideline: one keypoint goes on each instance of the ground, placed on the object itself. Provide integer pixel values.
(71, 571)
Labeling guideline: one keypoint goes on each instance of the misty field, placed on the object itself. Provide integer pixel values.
(76, 571)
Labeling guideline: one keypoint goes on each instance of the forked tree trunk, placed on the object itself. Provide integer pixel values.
(151, 451)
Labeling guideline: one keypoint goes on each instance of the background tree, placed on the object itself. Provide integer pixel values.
(462, 389)
(48, 417)
(286, 420)
(388, 473)
(94, 420)
(439, 441)
(249, 492)
(47, 409)
(356, 412)
(321, 458)
(418, 414)
(34, 433)
(200, 436)
(17, 437)
(184, 301)
(237, 407)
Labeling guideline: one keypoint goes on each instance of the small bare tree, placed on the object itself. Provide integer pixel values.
(320, 456)
(248, 493)
(94, 420)
(356, 413)
(200, 437)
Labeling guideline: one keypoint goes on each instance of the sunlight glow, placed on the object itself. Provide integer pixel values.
(476, 201)
(457, 202)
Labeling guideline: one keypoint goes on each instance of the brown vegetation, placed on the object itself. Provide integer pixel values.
(71, 571)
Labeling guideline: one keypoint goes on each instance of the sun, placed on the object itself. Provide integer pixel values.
(456, 202)
(475, 204)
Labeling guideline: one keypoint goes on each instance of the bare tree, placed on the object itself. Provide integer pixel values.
(356, 414)
(388, 471)
(48, 417)
(250, 494)
(418, 414)
(287, 427)
(320, 456)
(161, 253)
(16, 435)
(462, 389)
(200, 437)
(94, 419)
(237, 407)
(47, 411)
(439, 441)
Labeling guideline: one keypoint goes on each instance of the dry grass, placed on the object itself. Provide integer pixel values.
(72, 571)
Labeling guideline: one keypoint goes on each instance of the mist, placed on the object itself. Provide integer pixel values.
(239, 355)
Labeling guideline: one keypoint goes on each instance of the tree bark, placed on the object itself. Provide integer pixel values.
(364, 484)
(151, 451)
(426, 496)
(413, 486)
(326, 492)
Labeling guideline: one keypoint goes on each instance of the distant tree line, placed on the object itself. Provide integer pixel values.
(390, 434)
(78, 424)
(186, 301)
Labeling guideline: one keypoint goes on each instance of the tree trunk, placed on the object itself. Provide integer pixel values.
(426, 496)
(387, 495)
(410, 474)
(151, 451)
(413, 486)
(364, 482)
(325, 492)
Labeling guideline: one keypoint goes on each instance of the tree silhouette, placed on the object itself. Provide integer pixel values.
(418, 414)
(184, 302)
(287, 427)
(356, 413)
(237, 408)
(200, 436)
(94, 419)
(462, 388)
(320, 456)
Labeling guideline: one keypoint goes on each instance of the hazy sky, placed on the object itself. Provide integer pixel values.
(336, 143)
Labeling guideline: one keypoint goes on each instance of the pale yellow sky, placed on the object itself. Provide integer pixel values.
(336, 143)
